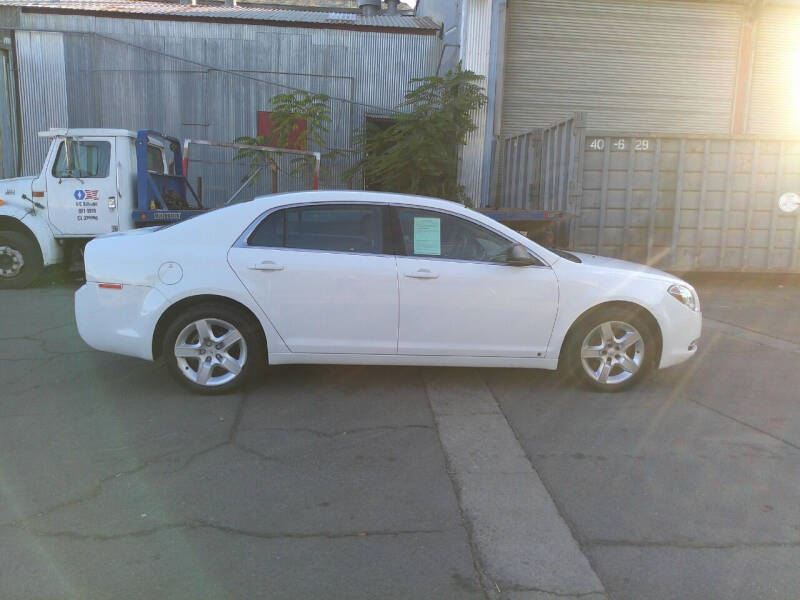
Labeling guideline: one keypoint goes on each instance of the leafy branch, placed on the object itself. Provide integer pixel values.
(295, 117)
(419, 152)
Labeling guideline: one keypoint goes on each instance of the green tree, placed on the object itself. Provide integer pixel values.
(419, 152)
(288, 112)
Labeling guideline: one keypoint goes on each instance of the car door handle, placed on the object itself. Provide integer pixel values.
(423, 274)
(266, 265)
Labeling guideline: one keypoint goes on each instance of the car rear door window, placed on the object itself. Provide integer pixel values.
(357, 228)
(432, 234)
(269, 233)
(337, 228)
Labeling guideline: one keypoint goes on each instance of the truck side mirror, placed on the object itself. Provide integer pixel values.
(518, 256)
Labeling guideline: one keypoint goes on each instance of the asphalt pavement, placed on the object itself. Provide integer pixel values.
(372, 482)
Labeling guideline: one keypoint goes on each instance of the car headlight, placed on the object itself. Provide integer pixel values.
(685, 296)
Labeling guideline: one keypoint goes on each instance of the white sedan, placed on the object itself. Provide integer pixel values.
(371, 278)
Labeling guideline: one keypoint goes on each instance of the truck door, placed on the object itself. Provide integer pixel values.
(82, 187)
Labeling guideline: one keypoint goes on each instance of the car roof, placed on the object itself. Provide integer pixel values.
(289, 198)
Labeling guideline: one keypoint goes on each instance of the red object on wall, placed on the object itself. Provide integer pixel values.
(298, 138)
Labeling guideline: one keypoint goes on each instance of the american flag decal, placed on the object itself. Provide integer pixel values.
(92, 194)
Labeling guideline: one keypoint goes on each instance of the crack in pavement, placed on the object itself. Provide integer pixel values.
(202, 524)
(33, 336)
(356, 430)
(260, 455)
(741, 333)
(234, 431)
(91, 495)
(690, 545)
(745, 423)
(229, 440)
(518, 588)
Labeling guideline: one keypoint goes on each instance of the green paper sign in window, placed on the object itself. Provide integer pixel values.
(427, 236)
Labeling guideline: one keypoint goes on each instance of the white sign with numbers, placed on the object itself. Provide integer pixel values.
(598, 144)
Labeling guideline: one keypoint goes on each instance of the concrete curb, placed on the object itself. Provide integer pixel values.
(524, 546)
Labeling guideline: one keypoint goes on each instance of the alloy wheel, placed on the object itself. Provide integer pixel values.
(210, 352)
(612, 352)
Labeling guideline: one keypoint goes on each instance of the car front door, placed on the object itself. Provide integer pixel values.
(459, 298)
(82, 187)
(320, 273)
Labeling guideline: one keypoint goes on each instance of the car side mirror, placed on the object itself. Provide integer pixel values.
(518, 256)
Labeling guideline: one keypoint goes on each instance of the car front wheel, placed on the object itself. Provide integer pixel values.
(213, 349)
(611, 352)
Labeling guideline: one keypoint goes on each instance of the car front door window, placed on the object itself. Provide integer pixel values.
(432, 234)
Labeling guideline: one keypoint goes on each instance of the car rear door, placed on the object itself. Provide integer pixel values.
(320, 273)
(458, 298)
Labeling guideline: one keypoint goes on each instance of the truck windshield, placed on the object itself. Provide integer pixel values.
(86, 160)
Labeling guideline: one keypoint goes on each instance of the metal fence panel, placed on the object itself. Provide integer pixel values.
(538, 170)
(690, 202)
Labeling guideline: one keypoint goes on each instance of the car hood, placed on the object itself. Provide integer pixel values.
(616, 264)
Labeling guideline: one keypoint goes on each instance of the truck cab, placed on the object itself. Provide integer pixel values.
(87, 187)
(89, 180)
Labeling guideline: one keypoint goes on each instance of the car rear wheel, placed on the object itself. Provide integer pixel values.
(611, 351)
(20, 260)
(213, 349)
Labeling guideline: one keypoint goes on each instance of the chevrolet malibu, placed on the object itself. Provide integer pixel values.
(371, 278)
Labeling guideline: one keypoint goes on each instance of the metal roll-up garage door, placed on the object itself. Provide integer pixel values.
(632, 65)
(774, 107)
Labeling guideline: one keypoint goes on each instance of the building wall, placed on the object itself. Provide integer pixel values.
(122, 73)
(774, 100)
(475, 56)
(666, 65)
(8, 145)
(448, 13)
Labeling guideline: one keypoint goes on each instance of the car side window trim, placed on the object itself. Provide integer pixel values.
(388, 236)
(400, 245)
(392, 245)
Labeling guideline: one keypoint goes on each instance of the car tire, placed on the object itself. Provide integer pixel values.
(213, 348)
(611, 350)
(20, 260)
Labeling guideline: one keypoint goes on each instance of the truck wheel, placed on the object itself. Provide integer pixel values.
(213, 348)
(20, 260)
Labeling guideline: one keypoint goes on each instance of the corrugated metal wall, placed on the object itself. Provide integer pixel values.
(703, 202)
(42, 92)
(8, 115)
(774, 104)
(664, 66)
(475, 57)
(111, 84)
